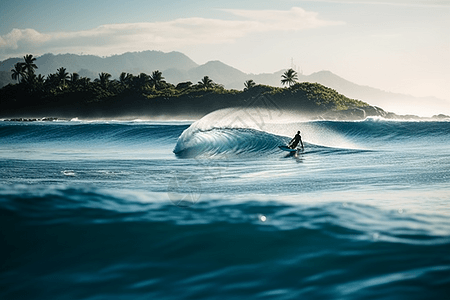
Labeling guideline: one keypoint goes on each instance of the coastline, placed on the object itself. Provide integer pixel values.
(311, 100)
(330, 116)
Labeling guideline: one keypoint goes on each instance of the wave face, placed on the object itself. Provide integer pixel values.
(227, 142)
(210, 137)
(98, 132)
(114, 140)
(222, 133)
(386, 130)
(75, 243)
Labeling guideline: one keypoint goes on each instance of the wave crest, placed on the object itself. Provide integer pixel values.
(194, 142)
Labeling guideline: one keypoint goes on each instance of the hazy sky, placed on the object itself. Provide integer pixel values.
(399, 46)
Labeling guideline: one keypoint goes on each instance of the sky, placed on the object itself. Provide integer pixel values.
(399, 46)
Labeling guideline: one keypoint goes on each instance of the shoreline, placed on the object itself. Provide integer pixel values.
(389, 117)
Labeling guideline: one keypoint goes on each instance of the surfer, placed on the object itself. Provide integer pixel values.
(295, 140)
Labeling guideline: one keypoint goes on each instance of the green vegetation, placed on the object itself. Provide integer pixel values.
(70, 95)
(289, 77)
(249, 84)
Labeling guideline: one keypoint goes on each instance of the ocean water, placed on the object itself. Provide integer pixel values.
(213, 209)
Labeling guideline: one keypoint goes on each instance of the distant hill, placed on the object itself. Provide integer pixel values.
(219, 72)
(401, 103)
(177, 67)
(135, 63)
(5, 78)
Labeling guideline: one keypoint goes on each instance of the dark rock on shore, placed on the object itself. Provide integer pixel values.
(361, 113)
(44, 119)
(354, 113)
(441, 117)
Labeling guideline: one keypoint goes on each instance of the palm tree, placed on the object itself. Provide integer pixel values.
(62, 76)
(84, 82)
(73, 83)
(103, 78)
(206, 82)
(40, 81)
(74, 77)
(29, 80)
(52, 82)
(125, 79)
(157, 79)
(289, 77)
(29, 66)
(249, 84)
(136, 83)
(17, 72)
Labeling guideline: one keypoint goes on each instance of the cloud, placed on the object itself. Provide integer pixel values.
(169, 35)
(18, 38)
(294, 19)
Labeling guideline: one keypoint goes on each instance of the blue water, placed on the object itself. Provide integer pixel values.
(214, 210)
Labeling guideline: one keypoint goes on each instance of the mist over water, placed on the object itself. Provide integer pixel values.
(213, 209)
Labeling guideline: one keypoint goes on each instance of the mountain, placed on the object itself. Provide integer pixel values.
(219, 72)
(400, 103)
(5, 78)
(135, 62)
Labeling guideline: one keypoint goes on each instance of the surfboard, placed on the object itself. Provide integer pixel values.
(286, 148)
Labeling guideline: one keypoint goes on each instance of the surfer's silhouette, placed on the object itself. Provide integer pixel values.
(295, 140)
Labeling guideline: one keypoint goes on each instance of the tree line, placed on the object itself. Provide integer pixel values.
(24, 73)
(70, 91)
